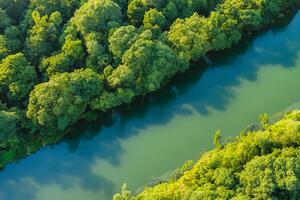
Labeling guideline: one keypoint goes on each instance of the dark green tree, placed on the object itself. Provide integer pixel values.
(17, 77)
(121, 39)
(96, 16)
(66, 61)
(43, 36)
(5, 21)
(56, 104)
(155, 20)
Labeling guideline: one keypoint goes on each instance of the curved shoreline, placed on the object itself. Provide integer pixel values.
(22, 150)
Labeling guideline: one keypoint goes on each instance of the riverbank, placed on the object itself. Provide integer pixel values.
(261, 164)
(26, 145)
(100, 156)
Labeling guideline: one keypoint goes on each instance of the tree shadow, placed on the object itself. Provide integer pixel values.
(201, 86)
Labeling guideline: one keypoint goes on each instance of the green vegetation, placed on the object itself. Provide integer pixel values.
(64, 59)
(262, 164)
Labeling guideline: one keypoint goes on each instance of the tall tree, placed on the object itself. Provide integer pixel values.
(96, 16)
(17, 77)
(43, 36)
(56, 104)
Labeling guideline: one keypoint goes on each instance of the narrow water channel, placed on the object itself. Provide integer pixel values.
(156, 134)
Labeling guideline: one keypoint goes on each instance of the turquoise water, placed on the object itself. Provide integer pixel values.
(157, 133)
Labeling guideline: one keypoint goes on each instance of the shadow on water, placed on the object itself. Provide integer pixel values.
(183, 82)
(155, 108)
(201, 86)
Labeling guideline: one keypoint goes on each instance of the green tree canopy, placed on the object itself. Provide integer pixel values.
(121, 40)
(8, 124)
(43, 36)
(98, 55)
(17, 77)
(145, 65)
(263, 164)
(155, 20)
(14, 8)
(96, 15)
(5, 21)
(66, 61)
(56, 104)
(46, 7)
(10, 42)
(189, 37)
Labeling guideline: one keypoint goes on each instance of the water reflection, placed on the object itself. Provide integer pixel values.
(158, 132)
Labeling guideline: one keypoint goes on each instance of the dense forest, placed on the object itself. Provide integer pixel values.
(258, 164)
(66, 60)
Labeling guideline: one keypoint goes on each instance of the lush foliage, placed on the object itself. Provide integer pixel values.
(63, 99)
(64, 59)
(262, 164)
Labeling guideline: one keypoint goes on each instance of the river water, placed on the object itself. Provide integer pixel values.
(157, 133)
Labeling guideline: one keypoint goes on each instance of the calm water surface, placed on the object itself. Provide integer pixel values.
(158, 133)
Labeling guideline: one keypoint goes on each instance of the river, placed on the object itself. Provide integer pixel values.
(157, 133)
